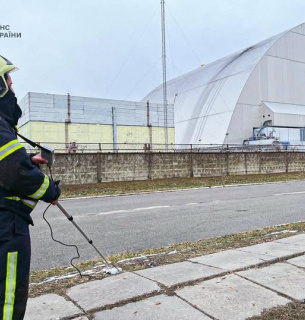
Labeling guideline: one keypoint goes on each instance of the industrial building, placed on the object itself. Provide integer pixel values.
(74, 124)
(256, 95)
(253, 97)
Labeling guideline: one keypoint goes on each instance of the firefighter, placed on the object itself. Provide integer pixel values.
(22, 185)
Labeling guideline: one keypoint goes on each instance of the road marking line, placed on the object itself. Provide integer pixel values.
(288, 193)
(132, 210)
(150, 208)
(110, 212)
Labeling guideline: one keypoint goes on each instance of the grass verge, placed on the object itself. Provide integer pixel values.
(292, 311)
(125, 187)
(132, 261)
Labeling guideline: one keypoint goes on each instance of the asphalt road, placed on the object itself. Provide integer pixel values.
(134, 222)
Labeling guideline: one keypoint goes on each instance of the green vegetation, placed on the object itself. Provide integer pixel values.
(125, 187)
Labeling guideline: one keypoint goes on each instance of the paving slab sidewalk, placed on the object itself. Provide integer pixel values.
(180, 291)
(234, 259)
(298, 240)
(50, 307)
(154, 308)
(280, 277)
(298, 261)
(99, 293)
(177, 273)
(230, 297)
(278, 249)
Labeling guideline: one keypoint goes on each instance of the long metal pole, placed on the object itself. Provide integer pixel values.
(70, 218)
(164, 74)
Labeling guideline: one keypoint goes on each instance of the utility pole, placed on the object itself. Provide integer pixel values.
(164, 74)
(67, 122)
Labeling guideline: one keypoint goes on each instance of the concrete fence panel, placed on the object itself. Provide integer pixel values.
(106, 167)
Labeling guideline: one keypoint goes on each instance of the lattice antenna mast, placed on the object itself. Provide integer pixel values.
(164, 74)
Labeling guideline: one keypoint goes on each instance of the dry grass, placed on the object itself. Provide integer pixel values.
(292, 311)
(124, 187)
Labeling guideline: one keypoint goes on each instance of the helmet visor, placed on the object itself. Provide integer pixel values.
(13, 70)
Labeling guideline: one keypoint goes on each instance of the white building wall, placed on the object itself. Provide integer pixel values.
(248, 111)
(206, 98)
(244, 118)
(54, 108)
(278, 77)
(291, 46)
(286, 81)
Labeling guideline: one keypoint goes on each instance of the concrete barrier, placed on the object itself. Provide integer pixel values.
(83, 168)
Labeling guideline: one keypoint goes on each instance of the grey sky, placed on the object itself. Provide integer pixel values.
(112, 49)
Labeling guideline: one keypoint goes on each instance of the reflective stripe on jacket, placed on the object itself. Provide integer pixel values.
(22, 184)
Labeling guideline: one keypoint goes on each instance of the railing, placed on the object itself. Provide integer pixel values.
(146, 147)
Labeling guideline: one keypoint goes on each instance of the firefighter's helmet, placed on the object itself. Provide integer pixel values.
(5, 68)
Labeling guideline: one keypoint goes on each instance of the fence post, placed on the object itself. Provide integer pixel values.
(227, 160)
(287, 161)
(149, 164)
(246, 164)
(114, 130)
(99, 169)
(191, 163)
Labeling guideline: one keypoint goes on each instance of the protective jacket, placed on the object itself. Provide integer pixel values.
(22, 184)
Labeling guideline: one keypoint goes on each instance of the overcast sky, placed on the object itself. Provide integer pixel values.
(112, 49)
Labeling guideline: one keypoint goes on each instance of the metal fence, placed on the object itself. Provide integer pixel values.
(146, 147)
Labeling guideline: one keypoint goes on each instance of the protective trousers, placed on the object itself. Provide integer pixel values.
(15, 256)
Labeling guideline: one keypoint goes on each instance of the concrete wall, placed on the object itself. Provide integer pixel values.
(106, 167)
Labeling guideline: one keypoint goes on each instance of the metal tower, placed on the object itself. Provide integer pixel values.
(164, 74)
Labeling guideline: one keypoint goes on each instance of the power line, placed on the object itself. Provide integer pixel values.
(185, 38)
(205, 116)
(143, 77)
(131, 52)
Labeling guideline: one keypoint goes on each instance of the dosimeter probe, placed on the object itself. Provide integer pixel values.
(111, 268)
(48, 154)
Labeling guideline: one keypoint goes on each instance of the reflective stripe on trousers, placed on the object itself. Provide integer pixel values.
(14, 268)
(10, 286)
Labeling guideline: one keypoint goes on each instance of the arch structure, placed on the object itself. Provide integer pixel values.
(222, 102)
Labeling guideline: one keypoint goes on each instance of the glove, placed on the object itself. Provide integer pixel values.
(58, 191)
